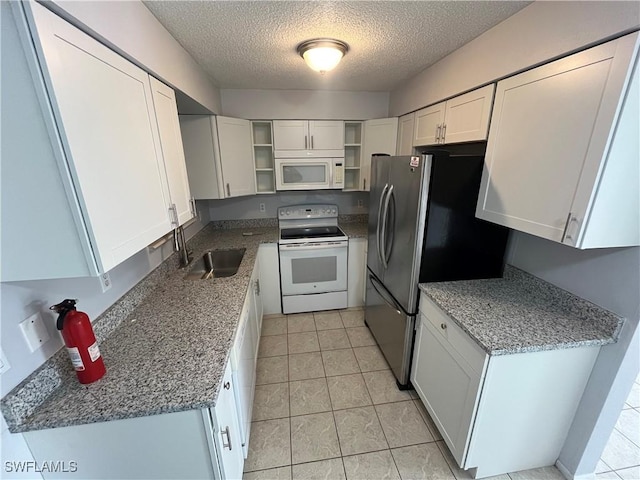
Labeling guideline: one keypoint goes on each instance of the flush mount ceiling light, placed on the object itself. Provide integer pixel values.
(322, 54)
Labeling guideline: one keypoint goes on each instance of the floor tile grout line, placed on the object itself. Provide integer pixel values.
(445, 457)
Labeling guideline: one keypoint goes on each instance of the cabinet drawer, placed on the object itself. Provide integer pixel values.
(460, 341)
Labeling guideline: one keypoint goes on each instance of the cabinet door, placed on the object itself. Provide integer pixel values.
(246, 353)
(164, 101)
(236, 158)
(291, 135)
(428, 125)
(270, 278)
(447, 385)
(200, 140)
(379, 137)
(357, 266)
(104, 110)
(467, 116)
(405, 135)
(549, 129)
(326, 135)
(226, 430)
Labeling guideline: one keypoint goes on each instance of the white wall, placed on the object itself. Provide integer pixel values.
(131, 29)
(609, 278)
(304, 104)
(537, 33)
(249, 207)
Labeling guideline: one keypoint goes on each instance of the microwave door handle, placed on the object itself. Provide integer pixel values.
(390, 301)
(379, 223)
(385, 219)
(391, 226)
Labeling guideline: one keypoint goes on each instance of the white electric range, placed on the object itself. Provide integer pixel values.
(313, 258)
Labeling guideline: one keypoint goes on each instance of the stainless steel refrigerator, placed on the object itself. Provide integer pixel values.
(422, 228)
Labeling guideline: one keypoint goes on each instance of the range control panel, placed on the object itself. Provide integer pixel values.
(296, 212)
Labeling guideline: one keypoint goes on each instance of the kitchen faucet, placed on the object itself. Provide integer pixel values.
(180, 245)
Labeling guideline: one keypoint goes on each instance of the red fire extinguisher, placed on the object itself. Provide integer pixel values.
(80, 341)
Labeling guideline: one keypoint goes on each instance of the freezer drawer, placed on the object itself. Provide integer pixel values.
(391, 327)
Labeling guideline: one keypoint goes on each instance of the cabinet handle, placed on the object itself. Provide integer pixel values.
(566, 227)
(443, 326)
(192, 201)
(305, 142)
(174, 214)
(438, 127)
(222, 434)
(444, 132)
(226, 385)
(258, 287)
(364, 184)
(311, 142)
(228, 190)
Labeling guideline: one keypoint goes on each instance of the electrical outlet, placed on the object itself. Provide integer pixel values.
(4, 363)
(34, 332)
(105, 281)
(263, 208)
(360, 203)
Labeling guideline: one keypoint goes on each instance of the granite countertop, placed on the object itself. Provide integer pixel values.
(355, 229)
(522, 313)
(166, 355)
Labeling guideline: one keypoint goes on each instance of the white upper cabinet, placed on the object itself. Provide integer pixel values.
(464, 118)
(405, 134)
(164, 101)
(379, 137)
(428, 125)
(562, 157)
(326, 135)
(236, 156)
(219, 156)
(308, 135)
(100, 114)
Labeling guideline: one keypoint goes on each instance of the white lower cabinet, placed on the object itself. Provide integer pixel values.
(497, 414)
(356, 269)
(270, 278)
(226, 430)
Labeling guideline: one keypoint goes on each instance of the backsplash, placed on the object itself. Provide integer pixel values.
(249, 207)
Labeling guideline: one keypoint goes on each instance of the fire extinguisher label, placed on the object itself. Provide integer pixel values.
(76, 359)
(94, 352)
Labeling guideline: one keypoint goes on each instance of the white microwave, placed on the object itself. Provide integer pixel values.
(314, 173)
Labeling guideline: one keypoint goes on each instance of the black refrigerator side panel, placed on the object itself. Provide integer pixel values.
(457, 245)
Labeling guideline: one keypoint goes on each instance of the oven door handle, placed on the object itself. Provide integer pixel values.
(296, 247)
(387, 298)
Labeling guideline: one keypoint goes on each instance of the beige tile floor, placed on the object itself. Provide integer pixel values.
(621, 456)
(327, 407)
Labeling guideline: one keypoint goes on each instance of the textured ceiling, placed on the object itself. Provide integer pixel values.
(252, 44)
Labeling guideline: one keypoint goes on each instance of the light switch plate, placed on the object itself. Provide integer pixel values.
(34, 332)
(4, 363)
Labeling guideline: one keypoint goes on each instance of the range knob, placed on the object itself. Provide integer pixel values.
(288, 212)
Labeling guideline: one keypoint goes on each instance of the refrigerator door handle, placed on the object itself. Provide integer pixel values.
(385, 217)
(387, 248)
(378, 237)
(387, 299)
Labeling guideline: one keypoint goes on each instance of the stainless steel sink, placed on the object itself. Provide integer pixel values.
(216, 263)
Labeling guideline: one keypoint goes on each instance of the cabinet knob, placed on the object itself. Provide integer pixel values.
(443, 326)
(227, 385)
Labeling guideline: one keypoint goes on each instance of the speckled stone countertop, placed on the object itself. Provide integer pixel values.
(170, 353)
(167, 354)
(522, 313)
(355, 229)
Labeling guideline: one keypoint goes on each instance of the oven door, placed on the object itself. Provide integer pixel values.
(313, 267)
(303, 174)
